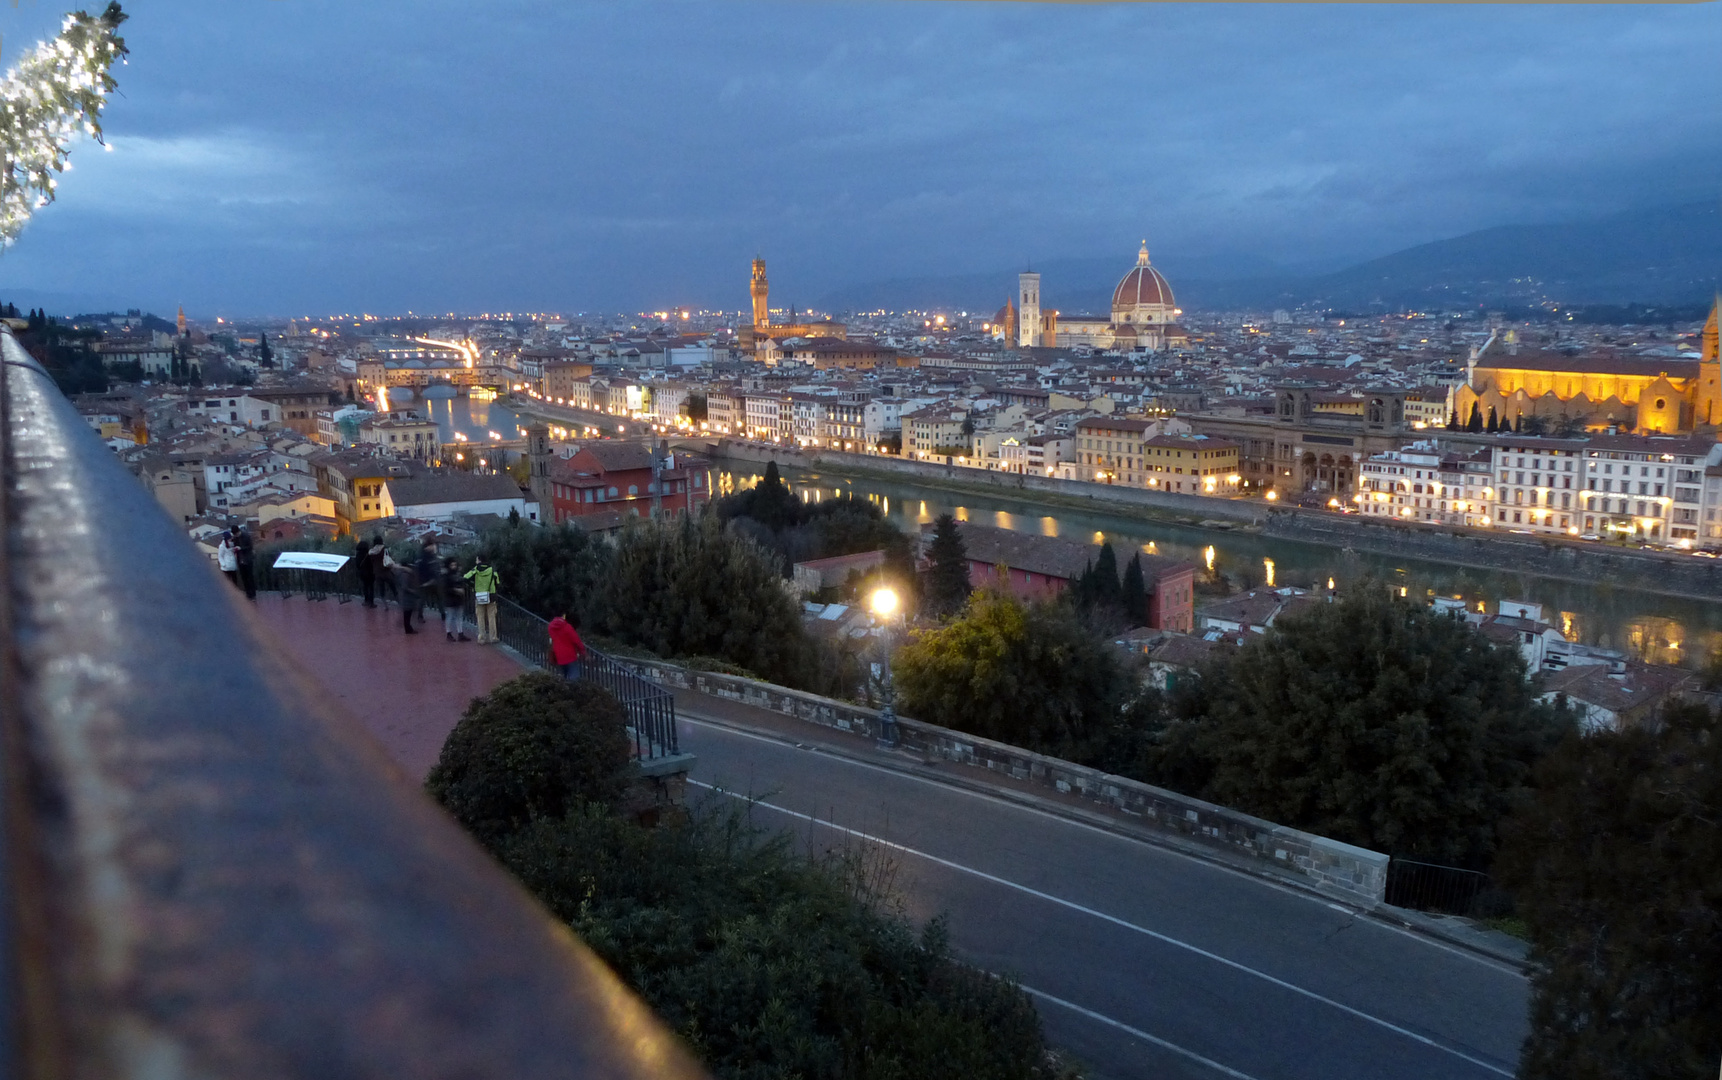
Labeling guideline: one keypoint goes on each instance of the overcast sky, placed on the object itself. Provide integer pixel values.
(291, 156)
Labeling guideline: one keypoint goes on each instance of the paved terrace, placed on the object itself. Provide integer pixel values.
(407, 689)
(1146, 961)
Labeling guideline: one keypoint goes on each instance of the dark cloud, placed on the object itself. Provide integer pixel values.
(295, 156)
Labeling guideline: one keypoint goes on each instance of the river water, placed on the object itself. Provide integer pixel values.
(457, 413)
(1657, 628)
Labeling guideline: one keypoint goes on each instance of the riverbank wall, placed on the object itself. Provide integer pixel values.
(1585, 562)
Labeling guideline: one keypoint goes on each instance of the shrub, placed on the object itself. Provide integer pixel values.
(533, 748)
(772, 964)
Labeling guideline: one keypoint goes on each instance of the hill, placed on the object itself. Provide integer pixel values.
(1669, 255)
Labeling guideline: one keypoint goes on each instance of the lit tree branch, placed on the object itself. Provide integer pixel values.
(54, 94)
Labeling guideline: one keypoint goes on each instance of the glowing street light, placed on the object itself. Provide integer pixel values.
(884, 603)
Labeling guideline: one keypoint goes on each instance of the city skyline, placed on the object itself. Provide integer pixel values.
(604, 159)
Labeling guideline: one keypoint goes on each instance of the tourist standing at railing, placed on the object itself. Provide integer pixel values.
(367, 572)
(407, 583)
(227, 558)
(453, 601)
(242, 555)
(485, 582)
(381, 565)
(567, 651)
(429, 572)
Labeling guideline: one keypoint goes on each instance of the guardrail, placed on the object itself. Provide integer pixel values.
(206, 872)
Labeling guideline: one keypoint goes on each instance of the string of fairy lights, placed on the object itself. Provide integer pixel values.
(53, 95)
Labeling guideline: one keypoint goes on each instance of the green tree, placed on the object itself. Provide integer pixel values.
(550, 570)
(689, 588)
(1134, 594)
(1029, 675)
(534, 747)
(948, 575)
(265, 355)
(1475, 424)
(1614, 866)
(769, 502)
(1369, 720)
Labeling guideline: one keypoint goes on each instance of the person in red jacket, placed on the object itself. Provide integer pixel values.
(566, 648)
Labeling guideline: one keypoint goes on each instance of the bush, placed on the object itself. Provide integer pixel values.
(534, 747)
(774, 965)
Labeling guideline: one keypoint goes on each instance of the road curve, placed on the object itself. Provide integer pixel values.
(1146, 963)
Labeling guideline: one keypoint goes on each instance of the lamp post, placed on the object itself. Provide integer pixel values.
(884, 605)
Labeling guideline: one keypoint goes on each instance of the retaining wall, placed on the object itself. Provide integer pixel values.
(1356, 873)
(1667, 573)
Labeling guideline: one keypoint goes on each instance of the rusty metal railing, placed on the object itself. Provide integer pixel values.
(206, 871)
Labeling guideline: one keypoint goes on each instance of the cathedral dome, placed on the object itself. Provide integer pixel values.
(1143, 293)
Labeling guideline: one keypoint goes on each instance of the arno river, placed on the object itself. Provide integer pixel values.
(1659, 628)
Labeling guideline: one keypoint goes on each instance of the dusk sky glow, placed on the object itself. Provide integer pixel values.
(303, 157)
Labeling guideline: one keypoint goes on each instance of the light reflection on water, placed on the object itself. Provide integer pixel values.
(475, 419)
(1660, 629)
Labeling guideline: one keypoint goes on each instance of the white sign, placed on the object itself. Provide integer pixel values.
(309, 560)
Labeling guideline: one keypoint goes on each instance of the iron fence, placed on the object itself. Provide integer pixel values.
(1448, 890)
(651, 709)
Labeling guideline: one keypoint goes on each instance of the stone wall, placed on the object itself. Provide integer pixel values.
(1569, 560)
(1586, 562)
(1357, 874)
(1164, 502)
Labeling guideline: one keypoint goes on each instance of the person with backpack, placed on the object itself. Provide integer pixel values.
(567, 651)
(485, 581)
(454, 601)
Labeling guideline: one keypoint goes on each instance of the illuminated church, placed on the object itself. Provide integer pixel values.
(763, 329)
(1144, 316)
(1642, 394)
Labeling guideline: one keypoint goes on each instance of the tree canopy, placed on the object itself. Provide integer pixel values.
(947, 587)
(1030, 675)
(1616, 872)
(1370, 720)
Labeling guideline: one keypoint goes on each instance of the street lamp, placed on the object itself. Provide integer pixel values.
(884, 605)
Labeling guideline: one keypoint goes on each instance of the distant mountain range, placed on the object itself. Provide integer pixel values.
(1666, 255)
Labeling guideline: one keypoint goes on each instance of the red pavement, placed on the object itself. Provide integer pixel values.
(408, 690)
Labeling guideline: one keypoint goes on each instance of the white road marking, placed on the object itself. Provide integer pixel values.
(1138, 1033)
(1116, 921)
(1421, 939)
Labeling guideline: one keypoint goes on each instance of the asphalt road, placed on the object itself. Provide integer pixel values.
(1145, 962)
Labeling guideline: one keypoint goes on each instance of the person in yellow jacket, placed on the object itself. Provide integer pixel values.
(485, 581)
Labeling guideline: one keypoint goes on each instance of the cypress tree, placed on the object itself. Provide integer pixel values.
(1135, 591)
(948, 576)
(1106, 585)
(1475, 424)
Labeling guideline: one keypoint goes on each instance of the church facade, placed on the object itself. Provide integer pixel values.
(1144, 316)
(1637, 394)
